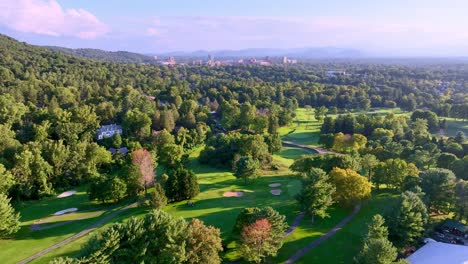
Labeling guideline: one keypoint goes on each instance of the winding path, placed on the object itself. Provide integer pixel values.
(318, 241)
(294, 224)
(77, 235)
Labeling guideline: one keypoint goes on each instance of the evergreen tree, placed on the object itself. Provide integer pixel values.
(460, 137)
(377, 248)
(246, 167)
(407, 220)
(9, 219)
(317, 193)
(439, 187)
(181, 184)
(158, 198)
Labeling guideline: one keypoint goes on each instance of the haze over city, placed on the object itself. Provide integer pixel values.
(374, 28)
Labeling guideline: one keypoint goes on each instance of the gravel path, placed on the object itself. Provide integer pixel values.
(78, 235)
(318, 241)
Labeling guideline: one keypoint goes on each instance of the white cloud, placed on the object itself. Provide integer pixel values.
(207, 32)
(49, 18)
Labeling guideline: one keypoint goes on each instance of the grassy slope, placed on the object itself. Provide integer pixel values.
(346, 243)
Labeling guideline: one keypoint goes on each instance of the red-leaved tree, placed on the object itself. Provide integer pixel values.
(142, 159)
(256, 241)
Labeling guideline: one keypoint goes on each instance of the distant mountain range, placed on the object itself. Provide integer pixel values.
(309, 53)
(108, 56)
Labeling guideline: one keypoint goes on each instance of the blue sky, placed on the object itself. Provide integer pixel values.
(380, 27)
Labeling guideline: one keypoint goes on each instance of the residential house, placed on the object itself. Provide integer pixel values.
(108, 131)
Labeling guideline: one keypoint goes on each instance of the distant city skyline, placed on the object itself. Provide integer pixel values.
(377, 28)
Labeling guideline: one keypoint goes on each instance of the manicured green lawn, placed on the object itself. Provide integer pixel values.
(305, 129)
(347, 242)
(455, 125)
(27, 242)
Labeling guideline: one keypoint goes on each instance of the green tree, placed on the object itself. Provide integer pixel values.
(407, 220)
(445, 160)
(317, 193)
(460, 137)
(203, 243)
(369, 162)
(158, 198)
(167, 120)
(277, 222)
(439, 187)
(32, 172)
(170, 155)
(377, 251)
(351, 187)
(6, 180)
(156, 238)
(9, 219)
(246, 167)
(320, 113)
(461, 200)
(137, 124)
(116, 189)
(182, 184)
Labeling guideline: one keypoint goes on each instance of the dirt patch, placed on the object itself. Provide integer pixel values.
(276, 191)
(66, 194)
(233, 194)
(274, 184)
(66, 211)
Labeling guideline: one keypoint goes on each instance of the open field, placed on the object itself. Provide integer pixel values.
(305, 129)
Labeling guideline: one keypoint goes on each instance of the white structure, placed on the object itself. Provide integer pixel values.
(335, 73)
(108, 131)
(434, 252)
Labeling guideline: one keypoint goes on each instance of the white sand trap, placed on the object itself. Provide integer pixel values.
(274, 184)
(233, 194)
(69, 210)
(276, 191)
(66, 194)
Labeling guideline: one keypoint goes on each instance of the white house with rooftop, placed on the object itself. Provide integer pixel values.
(108, 131)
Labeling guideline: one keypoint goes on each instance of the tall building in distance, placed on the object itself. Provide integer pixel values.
(210, 58)
(285, 60)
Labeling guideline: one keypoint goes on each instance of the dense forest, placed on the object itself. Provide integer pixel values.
(107, 56)
(52, 104)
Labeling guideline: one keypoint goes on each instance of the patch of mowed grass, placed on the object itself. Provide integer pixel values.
(347, 242)
(455, 125)
(305, 129)
(73, 249)
(306, 232)
(27, 242)
(294, 153)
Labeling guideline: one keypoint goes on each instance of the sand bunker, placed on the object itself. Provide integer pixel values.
(276, 191)
(69, 210)
(233, 194)
(274, 184)
(66, 194)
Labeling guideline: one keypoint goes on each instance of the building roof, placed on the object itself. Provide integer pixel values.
(109, 128)
(449, 223)
(434, 252)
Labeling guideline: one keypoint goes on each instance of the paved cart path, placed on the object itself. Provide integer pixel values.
(318, 241)
(77, 235)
